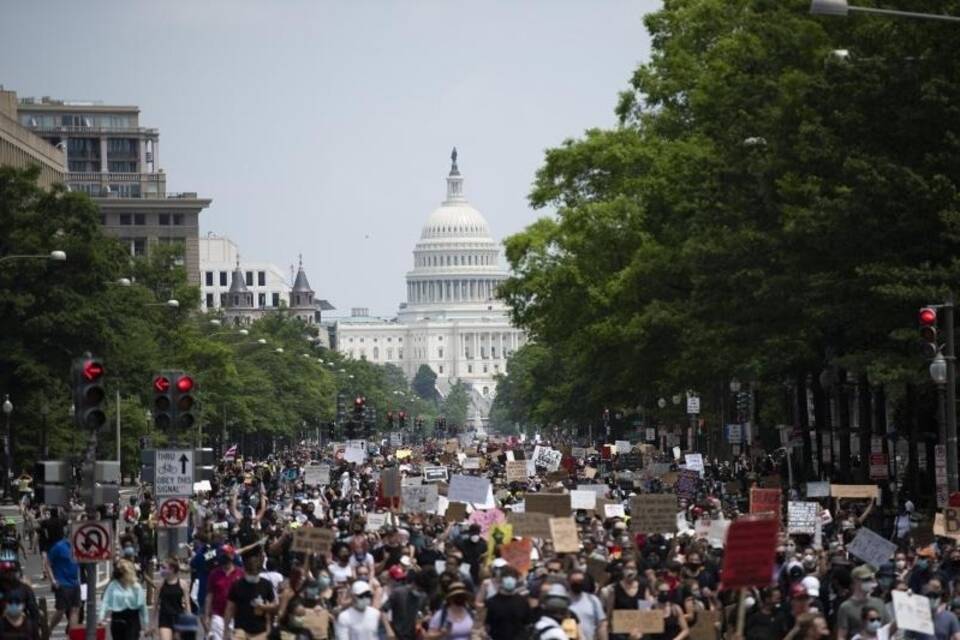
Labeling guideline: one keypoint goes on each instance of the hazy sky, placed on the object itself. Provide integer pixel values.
(325, 127)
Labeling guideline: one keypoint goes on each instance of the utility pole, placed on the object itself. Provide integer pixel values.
(951, 409)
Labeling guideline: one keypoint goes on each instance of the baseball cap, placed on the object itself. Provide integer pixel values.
(360, 588)
(812, 585)
(499, 562)
(397, 573)
(863, 572)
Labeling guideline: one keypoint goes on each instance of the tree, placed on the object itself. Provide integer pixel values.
(425, 383)
(456, 404)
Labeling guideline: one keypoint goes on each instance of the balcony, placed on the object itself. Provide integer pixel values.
(96, 131)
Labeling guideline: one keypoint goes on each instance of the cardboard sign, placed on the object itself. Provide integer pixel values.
(566, 538)
(750, 550)
(707, 626)
(686, 485)
(653, 513)
(951, 522)
(589, 473)
(434, 474)
(862, 491)
(376, 521)
(694, 462)
(912, 612)
(873, 549)
(316, 475)
(765, 501)
(802, 517)
(530, 525)
(312, 540)
(317, 620)
(390, 479)
(456, 512)
(614, 511)
(630, 620)
(516, 470)
(554, 504)
(517, 554)
(818, 489)
(580, 499)
(468, 489)
(419, 498)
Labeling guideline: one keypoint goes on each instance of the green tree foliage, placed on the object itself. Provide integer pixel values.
(763, 207)
(425, 383)
(456, 404)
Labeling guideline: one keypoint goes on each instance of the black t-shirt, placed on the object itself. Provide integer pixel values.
(761, 626)
(52, 529)
(242, 594)
(507, 616)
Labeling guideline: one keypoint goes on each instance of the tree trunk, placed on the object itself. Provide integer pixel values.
(866, 428)
(842, 464)
(801, 421)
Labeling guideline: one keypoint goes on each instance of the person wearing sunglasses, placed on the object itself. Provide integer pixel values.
(872, 626)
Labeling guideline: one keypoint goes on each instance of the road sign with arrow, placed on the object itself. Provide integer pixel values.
(174, 472)
(91, 541)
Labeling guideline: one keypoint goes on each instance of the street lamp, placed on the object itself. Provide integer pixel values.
(56, 256)
(172, 304)
(735, 385)
(677, 398)
(938, 369)
(662, 403)
(8, 462)
(843, 8)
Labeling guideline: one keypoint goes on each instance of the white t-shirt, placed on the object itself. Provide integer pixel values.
(275, 578)
(353, 624)
(340, 574)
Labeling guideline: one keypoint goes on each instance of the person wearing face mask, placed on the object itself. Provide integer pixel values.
(627, 592)
(849, 614)
(872, 626)
(361, 621)
(15, 624)
(340, 568)
(587, 607)
(172, 598)
(923, 569)
(219, 583)
(767, 620)
(251, 602)
(508, 612)
(945, 624)
(406, 603)
(474, 547)
(453, 620)
(674, 623)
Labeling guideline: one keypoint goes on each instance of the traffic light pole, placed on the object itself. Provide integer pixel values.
(951, 408)
(91, 567)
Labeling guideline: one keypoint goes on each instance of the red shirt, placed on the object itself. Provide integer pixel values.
(218, 588)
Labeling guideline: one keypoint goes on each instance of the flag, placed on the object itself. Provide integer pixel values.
(231, 454)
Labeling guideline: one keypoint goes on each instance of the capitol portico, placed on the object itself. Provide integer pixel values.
(452, 320)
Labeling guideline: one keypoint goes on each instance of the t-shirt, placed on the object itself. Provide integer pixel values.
(456, 629)
(848, 615)
(243, 595)
(353, 624)
(65, 570)
(508, 615)
(589, 612)
(218, 588)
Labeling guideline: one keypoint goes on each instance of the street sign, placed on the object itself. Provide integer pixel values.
(91, 541)
(693, 404)
(173, 512)
(174, 472)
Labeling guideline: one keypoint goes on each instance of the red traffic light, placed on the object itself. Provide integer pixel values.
(92, 370)
(928, 317)
(184, 384)
(358, 401)
(161, 384)
(403, 414)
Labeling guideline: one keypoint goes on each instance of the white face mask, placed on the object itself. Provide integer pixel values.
(362, 603)
(474, 538)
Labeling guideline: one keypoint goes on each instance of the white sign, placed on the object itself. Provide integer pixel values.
(912, 612)
(356, 451)
(623, 446)
(377, 521)
(734, 433)
(547, 458)
(434, 474)
(801, 517)
(818, 489)
(396, 439)
(580, 499)
(613, 511)
(471, 463)
(693, 404)
(694, 461)
(469, 489)
(873, 549)
(174, 472)
(316, 475)
(718, 533)
(651, 434)
(419, 499)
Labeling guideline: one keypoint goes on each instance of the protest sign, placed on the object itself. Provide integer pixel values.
(376, 521)
(312, 540)
(872, 548)
(419, 498)
(589, 473)
(486, 518)
(818, 489)
(516, 470)
(547, 458)
(472, 489)
(517, 554)
(355, 451)
(669, 478)
(578, 452)
(854, 490)
(749, 552)
(765, 501)
(581, 499)
(912, 612)
(694, 462)
(391, 482)
(530, 525)
(456, 512)
(801, 517)
(707, 625)
(317, 621)
(599, 489)
(316, 475)
(613, 511)
(552, 503)
(686, 486)
(564, 534)
(471, 464)
(653, 513)
(717, 533)
(434, 474)
(627, 621)
(623, 446)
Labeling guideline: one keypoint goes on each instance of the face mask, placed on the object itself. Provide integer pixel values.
(252, 579)
(509, 583)
(324, 582)
(474, 538)
(922, 564)
(868, 587)
(873, 626)
(749, 601)
(129, 551)
(363, 603)
(576, 587)
(934, 600)
(14, 609)
(901, 564)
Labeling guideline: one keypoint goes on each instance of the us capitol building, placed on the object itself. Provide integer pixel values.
(452, 320)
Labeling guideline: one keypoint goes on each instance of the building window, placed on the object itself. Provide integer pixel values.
(178, 219)
(248, 278)
(261, 278)
(363, 354)
(486, 390)
(399, 354)
(140, 219)
(399, 339)
(440, 369)
(389, 353)
(261, 300)
(223, 278)
(209, 301)
(361, 339)
(208, 279)
(469, 368)
(493, 352)
(376, 353)
(125, 218)
(440, 352)
(276, 299)
(484, 368)
(139, 247)
(223, 299)
(163, 219)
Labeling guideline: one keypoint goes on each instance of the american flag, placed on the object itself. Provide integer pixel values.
(231, 454)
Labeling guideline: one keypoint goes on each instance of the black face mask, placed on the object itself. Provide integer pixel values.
(576, 587)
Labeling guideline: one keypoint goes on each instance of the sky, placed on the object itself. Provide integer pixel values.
(325, 128)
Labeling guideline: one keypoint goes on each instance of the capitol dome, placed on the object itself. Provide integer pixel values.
(455, 218)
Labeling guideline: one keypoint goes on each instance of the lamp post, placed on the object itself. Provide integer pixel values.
(8, 446)
(55, 256)
(44, 412)
(843, 8)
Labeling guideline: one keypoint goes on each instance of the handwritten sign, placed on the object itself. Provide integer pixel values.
(517, 554)
(686, 485)
(765, 500)
(802, 517)
(818, 489)
(470, 489)
(580, 499)
(516, 470)
(862, 491)
(434, 474)
(530, 525)
(316, 475)
(872, 548)
(487, 518)
(636, 620)
(566, 538)
(613, 511)
(419, 498)
(456, 512)
(471, 463)
(547, 458)
(376, 521)
(654, 513)
(312, 540)
(694, 462)
(554, 504)
(912, 612)
(750, 550)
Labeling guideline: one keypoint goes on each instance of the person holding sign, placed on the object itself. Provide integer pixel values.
(849, 615)
(674, 622)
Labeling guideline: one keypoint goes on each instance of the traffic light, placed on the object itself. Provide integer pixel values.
(928, 332)
(330, 431)
(389, 420)
(163, 407)
(88, 393)
(341, 406)
(183, 401)
(359, 404)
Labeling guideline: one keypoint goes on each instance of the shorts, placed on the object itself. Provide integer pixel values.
(67, 598)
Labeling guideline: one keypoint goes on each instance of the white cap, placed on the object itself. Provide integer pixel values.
(812, 585)
(499, 562)
(359, 588)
